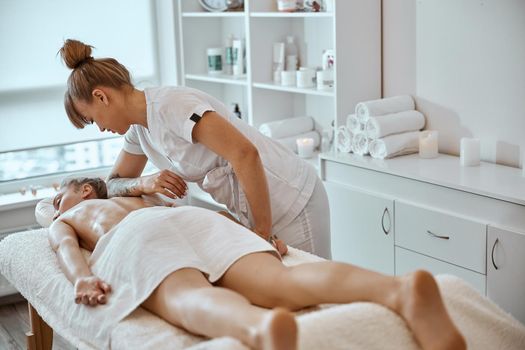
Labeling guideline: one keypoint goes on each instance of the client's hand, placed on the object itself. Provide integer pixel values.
(165, 182)
(91, 291)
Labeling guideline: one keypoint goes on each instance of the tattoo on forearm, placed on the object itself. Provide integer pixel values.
(122, 187)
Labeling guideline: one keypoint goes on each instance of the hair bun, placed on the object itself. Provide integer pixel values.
(74, 53)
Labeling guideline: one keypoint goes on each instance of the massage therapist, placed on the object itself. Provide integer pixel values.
(191, 136)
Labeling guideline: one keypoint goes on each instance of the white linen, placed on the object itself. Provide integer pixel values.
(27, 261)
(172, 112)
(367, 109)
(395, 123)
(344, 140)
(291, 142)
(360, 143)
(284, 128)
(353, 124)
(395, 145)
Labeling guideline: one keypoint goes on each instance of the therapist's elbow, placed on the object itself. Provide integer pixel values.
(246, 153)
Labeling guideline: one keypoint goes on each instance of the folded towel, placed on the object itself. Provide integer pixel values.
(360, 144)
(395, 145)
(395, 123)
(353, 124)
(344, 140)
(291, 143)
(365, 110)
(280, 129)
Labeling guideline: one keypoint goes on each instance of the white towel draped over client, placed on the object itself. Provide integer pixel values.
(148, 245)
(284, 128)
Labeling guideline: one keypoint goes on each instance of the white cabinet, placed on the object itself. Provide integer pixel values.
(447, 219)
(352, 30)
(506, 270)
(362, 228)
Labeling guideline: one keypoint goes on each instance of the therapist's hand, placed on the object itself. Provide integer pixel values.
(165, 182)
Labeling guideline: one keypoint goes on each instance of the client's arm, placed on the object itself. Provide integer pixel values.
(89, 289)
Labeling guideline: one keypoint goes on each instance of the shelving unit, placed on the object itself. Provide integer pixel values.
(353, 30)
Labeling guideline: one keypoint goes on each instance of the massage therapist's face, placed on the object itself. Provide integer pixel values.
(104, 110)
(66, 199)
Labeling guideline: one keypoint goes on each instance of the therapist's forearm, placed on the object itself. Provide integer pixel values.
(250, 172)
(123, 187)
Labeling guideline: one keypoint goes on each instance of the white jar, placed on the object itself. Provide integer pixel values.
(286, 5)
(325, 79)
(215, 60)
(305, 77)
(288, 78)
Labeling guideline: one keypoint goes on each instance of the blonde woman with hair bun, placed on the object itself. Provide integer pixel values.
(191, 136)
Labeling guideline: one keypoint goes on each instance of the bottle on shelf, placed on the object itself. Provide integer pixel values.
(238, 56)
(292, 59)
(228, 55)
(237, 110)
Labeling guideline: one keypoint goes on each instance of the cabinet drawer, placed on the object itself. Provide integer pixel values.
(408, 261)
(454, 239)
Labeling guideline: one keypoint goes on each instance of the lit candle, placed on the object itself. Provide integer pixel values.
(305, 147)
(428, 144)
(469, 152)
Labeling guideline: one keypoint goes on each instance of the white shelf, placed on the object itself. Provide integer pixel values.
(307, 91)
(293, 14)
(213, 14)
(219, 78)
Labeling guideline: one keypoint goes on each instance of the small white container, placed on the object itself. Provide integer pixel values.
(305, 147)
(215, 60)
(428, 144)
(288, 78)
(305, 77)
(286, 5)
(325, 79)
(469, 152)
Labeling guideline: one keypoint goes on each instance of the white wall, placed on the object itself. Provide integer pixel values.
(464, 60)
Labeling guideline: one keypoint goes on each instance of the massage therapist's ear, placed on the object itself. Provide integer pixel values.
(100, 96)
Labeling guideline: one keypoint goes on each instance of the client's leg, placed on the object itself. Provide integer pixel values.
(186, 299)
(266, 282)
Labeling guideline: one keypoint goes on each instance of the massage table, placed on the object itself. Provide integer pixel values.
(29, 263)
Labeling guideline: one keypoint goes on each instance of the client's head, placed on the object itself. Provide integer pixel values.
(74, 190)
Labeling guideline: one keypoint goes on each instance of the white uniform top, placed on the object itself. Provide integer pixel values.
(172, 112)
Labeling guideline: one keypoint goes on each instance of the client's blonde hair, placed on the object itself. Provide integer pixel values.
(98, 185)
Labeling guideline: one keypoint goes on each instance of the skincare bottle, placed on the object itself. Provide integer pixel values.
(228, 55)
(291, 54)
(237, 110)
(238, 57)
(278, 61)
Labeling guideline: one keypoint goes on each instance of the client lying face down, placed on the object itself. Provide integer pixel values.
(213, 277)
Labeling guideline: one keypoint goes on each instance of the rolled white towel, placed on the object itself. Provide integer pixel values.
(344, 140)
(395, 123)
(281, 129)
(360, 144)
(365, 110)
(291, 143)
(395, 145)
(353, 124)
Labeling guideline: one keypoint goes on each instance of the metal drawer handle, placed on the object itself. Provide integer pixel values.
(437, 236)
(492, 255)
(383, 221)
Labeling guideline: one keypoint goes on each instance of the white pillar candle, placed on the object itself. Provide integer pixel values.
(305, 147)
(428, 144)
(288, 78)
(469, 152)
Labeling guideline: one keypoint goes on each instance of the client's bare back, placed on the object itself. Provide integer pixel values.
(93, 218)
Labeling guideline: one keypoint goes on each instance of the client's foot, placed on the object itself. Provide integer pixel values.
(278, 331)
(421, 306)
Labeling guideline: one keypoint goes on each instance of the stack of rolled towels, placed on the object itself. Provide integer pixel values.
(383, 128)
(287, 131)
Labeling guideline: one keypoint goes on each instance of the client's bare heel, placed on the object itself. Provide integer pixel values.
(278, 331)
